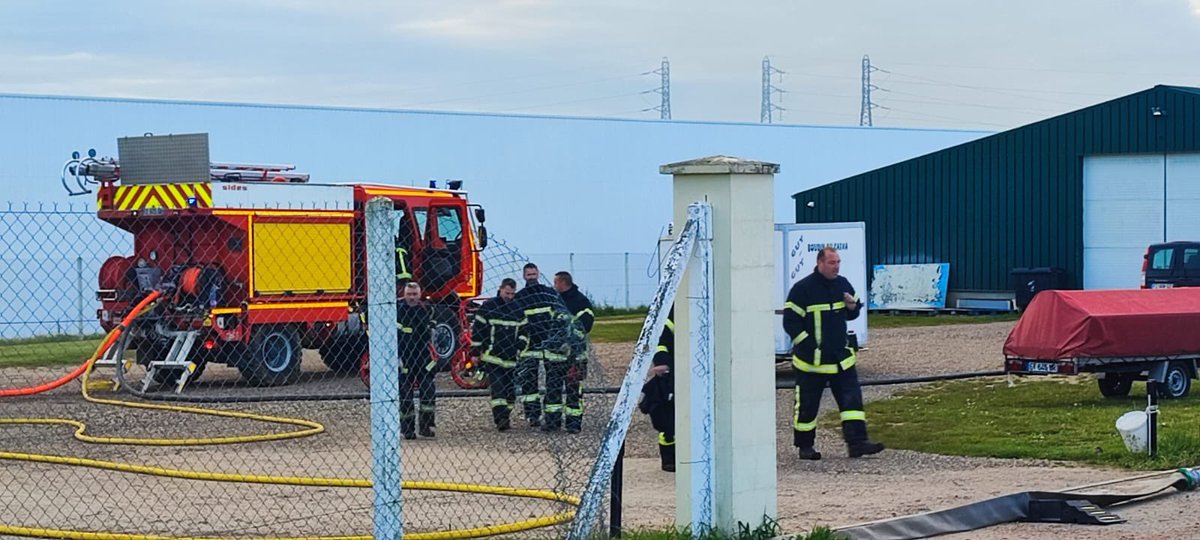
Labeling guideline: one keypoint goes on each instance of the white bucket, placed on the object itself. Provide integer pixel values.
(1134, 427)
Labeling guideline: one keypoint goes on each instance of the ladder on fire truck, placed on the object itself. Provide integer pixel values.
(176, 360)
(92, 170)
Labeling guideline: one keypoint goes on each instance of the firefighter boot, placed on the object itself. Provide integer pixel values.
(574, 423)
(500, 416)
(552, 422)
(864, 448)
(809, 453)
(425, 424)
(408, 428)
(667, 453)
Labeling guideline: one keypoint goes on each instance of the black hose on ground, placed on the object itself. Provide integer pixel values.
(785, 384)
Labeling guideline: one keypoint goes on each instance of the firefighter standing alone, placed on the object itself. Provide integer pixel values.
(658, 394)
(815, 316)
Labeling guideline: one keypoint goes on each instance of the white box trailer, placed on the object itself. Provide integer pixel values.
(796, 247)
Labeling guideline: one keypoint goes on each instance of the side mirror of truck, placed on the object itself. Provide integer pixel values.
(481, 237)
(480, 215)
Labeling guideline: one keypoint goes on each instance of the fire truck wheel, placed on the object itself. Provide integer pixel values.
(445, 335)
(274, 358)
(343, 355)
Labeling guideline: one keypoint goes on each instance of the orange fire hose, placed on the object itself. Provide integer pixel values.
(109, 339)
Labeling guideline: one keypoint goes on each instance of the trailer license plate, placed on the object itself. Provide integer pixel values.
(1041, 367)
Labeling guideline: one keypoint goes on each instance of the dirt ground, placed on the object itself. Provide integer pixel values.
(836, 491)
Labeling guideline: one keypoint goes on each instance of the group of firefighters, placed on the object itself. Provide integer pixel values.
(514, 336)
(517, 333)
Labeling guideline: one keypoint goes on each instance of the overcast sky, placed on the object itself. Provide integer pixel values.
(942, 63)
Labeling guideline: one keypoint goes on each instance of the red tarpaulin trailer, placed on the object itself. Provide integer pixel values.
(1121, 333)
(1105, 324)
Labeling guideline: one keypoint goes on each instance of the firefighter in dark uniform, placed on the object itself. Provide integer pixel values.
(658, 394)
(545, 325)
(417, 365)
(815, 316)
(496, 342)
(582, 319)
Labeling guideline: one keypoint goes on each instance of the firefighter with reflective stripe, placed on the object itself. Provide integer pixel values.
(496, 343)
(546, 325)
(658, 394)
(403, 256)
(417, 365)
(815, 316)
(582, 319)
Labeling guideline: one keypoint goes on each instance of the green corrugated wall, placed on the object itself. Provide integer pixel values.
(1009, 200)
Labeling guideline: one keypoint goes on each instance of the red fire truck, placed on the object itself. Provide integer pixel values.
(257, 263)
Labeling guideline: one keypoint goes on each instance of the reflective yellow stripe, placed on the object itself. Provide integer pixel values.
(535, 311)
(816, 308)
(553, 408)
(402, 272)
(500, 402)
(498, 322)
(431, 365)
(817, 338)
(529, 398)
(580, 314)
(662, 440)
(481, 319)
(661, 348)
(670, 325)
(853, 415)
(405, 329)
(826, 369)
(799, 310)
(498, 361)
(800, 337)
(796, 407)
(573, 411)
(839, 305)
(804, 426)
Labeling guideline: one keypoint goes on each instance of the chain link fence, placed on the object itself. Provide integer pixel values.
(228, 385)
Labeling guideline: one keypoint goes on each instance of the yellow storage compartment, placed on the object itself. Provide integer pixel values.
(301, 258)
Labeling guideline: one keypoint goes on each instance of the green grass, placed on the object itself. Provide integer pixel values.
(609, 311)
(769, 529)
(47, 350)
(880, 320)
(1060, 418)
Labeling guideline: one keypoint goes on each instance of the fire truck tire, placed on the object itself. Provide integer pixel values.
(446, 333)
(343, 355)
(1115, 384)
(274, 357)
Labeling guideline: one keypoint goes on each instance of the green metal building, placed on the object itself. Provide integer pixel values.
(1084, 191)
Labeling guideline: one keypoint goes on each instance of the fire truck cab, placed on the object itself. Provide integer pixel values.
(257, 263)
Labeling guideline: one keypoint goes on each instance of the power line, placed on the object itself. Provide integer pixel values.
(768, 91)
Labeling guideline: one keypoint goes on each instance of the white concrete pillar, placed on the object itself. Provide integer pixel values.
(740, 192)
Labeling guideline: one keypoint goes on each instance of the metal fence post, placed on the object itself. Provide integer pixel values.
(79, 290)
(385, 370)
(571, 262)
(627, 305)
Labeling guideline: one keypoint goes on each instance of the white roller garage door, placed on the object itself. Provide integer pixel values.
(1130, 202)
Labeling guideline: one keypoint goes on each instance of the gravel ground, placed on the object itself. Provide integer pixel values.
(836, 491)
